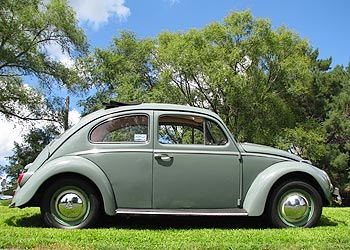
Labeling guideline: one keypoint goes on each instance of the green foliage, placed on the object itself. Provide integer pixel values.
(123, 71)
(308, 138)
(22, 229)
(27, 27)
(242, 70)
(22, 103)
(27, 30)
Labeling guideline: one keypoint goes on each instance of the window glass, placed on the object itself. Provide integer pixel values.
(189, 130)
(122, 129)
(215, 134)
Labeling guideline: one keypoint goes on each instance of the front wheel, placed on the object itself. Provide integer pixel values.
(70, 203)
(294, 204)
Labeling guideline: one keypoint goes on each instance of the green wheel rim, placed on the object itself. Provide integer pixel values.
(70, 206)
(296, 207)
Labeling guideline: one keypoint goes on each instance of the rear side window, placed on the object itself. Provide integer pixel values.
(126, 129)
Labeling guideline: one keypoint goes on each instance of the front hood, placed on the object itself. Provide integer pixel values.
(260, 149)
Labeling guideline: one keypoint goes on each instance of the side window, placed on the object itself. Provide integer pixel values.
(189, 130)
(215, 134)
(122, 129)
(180, 130)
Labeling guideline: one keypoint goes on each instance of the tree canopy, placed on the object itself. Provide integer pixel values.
(240, 68)
(28, 29)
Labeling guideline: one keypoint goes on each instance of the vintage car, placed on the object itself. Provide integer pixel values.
(164, 159)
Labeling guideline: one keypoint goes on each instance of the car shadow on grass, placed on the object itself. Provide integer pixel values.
(25, 221)
(164, 222)
(192, 222)
(326, 222)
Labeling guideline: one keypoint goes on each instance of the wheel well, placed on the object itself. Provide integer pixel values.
(299, 176)
(35, 201)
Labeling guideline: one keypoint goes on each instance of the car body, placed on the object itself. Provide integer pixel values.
(167, 159)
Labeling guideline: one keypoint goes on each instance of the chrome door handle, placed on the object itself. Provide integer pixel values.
(163, 157)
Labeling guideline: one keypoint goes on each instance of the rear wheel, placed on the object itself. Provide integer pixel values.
(294, 204)
(70, 203)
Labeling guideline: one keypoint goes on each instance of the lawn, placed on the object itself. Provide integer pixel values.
(23, 229)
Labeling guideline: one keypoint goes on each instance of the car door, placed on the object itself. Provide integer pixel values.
(122, 148)
(196, 164)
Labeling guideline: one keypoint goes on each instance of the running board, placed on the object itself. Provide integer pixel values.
(185, 212)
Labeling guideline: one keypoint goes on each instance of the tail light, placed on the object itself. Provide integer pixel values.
(20, 177)
(24, 176)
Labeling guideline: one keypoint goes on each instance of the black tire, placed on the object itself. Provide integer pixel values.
(294, 204)
(70, 203)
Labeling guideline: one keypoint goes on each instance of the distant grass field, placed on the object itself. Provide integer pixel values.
(23, 229)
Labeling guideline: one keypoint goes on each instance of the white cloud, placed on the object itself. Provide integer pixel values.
(172, 2)
(56, 53)
(97, 12)
(9, 133)
(73, 117)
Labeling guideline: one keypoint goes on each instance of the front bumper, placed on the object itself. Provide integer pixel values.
(336, 196)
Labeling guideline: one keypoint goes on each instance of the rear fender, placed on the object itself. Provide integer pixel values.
(67, 164)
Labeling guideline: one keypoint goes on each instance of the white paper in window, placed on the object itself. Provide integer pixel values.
(140, 137)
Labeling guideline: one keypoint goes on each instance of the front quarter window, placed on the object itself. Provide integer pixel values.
(127, 129)
(215, 134)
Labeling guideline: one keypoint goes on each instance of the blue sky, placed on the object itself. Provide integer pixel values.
(325, 24)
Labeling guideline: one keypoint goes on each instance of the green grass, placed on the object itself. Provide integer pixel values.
(23, 229)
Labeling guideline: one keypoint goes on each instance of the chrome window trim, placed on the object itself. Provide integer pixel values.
(206, 152)
(121, 142)
(205, 118)
(107, 151)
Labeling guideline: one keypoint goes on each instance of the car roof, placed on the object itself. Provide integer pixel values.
(124, 108)
(147, 106)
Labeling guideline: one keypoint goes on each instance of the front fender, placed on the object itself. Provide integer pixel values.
(67, 164)
(255, 200)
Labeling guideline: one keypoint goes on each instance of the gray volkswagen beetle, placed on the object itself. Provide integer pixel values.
(162, 159)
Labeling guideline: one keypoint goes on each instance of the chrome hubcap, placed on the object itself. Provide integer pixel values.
(70, 206)
(296, 208)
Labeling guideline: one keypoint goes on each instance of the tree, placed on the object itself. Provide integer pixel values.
(26, 152)
(337, 125)
(241, 69)
(123, 71)
(323, 136)
(28, 29)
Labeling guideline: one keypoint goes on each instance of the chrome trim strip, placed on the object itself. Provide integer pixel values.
(160, 151)
(266, 156)
(105, 150)
(156, 151)
(184, 212)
